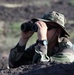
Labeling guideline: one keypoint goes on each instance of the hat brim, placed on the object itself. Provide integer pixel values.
(39, 19)
(65, 31)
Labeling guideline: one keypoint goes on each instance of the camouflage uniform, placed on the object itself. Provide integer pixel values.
(63, 51)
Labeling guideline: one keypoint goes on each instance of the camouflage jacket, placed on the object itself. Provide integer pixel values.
(62, 52)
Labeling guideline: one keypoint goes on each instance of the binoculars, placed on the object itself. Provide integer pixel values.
(29, 26)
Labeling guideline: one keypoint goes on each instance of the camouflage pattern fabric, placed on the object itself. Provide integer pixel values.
(62, 52)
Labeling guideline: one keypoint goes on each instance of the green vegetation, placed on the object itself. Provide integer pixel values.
(71, 2)
(43, 2)
(14, 29)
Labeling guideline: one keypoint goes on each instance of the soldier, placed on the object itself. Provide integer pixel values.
(52, 44)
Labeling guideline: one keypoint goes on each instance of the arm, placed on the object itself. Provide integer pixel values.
(40, 54)
(18, 55)
(41, 50)
(18, 58)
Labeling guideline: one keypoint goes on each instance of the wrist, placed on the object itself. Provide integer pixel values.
(42, 42)
(42, 38)
(22, 41)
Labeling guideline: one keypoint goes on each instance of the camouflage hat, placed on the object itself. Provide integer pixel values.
(55, 17)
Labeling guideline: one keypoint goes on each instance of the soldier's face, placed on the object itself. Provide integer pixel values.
(53, 32)
(50, 34)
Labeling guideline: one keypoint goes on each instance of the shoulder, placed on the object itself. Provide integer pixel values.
(65, 43)
(66, 52)
(66, 47)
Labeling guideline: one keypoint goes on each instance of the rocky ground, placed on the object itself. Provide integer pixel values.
(20, 10)
(42, 69)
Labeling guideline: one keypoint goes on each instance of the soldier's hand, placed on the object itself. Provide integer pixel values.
(42, 30)
(24, 37)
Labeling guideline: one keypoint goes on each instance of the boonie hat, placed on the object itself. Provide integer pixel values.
(55, 17)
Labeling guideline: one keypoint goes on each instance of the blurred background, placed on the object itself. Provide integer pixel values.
(14, 12)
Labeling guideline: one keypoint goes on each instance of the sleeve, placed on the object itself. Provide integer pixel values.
(19, 56)
(40, 54)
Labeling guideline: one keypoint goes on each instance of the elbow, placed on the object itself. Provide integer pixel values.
(11, 65)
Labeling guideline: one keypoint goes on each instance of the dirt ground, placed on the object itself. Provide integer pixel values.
(42, 69)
